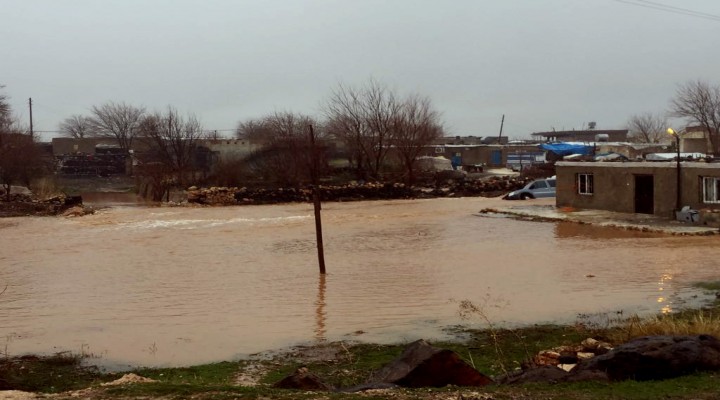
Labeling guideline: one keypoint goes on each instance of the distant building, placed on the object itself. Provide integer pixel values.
(67, 145)
(493, 155)
(227, 149)
(696, 139)
(458, 140)
(588, 135)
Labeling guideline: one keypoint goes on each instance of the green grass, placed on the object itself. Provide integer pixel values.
(711, 286)
(352, 368)
(216, 374)
(57, 373)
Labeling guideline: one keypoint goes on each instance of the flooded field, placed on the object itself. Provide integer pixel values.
(176, 286)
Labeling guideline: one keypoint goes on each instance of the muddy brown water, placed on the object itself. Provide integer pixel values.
(176, 286)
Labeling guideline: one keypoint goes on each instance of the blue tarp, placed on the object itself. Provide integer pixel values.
(565, 149)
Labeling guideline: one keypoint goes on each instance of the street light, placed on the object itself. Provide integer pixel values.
(678, 185)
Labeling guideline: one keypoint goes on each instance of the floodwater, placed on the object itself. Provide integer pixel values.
(177, 286)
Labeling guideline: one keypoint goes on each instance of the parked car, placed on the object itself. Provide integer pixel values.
(535, 189)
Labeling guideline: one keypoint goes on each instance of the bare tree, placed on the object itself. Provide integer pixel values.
(416, 125)
(363, 119)
(117, 120)
(77, 126)
(5, 111)
(20, 159)
(254, 129)
(284, 159)
(699, 102)
(346, 122)
(647, 128)
(172, 141)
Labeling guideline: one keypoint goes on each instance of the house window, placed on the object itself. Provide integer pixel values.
(585, 184)
(711, 189)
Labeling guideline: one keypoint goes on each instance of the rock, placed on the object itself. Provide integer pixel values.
(583, 376)
(544, 373)
(303, 379)
(128, 378)
(71, 201)
(597, 347)
(422, 365)
(546, 357)
(77, 211)
(656, 357)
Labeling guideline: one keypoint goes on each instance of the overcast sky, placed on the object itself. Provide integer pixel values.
(543, 63)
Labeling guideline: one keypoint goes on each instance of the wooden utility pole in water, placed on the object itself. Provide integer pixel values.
(316, 200)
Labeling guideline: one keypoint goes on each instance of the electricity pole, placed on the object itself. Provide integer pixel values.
(31, 121)
(316, 200)
(502, 122)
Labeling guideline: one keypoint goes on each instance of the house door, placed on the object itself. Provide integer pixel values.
(456, 160)
(496, 157)
(644, 194)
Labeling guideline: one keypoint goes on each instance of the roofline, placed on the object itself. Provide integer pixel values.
(596, 131)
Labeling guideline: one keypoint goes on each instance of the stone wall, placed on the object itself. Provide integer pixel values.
(353, 192)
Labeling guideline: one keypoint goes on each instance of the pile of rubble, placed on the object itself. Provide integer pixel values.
(18, 205)
(566, 357)
(643, 358)
(352, 192)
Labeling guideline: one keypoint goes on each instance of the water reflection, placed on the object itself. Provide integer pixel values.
(667, 307)
(320, 310)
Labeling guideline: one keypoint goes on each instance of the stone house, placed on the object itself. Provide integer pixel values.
(641, 187)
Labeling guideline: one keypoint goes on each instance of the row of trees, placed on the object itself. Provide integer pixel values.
(698, 102)
(379, 130)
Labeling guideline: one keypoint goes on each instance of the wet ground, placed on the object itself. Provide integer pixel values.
(545, 210)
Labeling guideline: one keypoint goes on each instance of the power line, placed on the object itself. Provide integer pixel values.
(679, 8)
(671, 9)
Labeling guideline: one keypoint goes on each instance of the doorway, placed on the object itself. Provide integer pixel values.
(644, 194)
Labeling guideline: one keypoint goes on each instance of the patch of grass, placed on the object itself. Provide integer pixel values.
(353, 367)
(697, 386)
(502, 350)
(51, 374)
(176, 390)
(694, 322)
(711, 286)
(215, 374)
